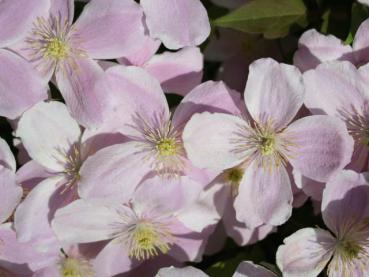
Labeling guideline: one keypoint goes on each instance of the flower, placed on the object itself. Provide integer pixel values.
(154, 141)
(56, 143)
(317, 146)
(346, 247)
(105, 30)
(339, 89)
(158, 219)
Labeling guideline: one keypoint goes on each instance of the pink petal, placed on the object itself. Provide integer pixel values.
(310, 187)
(146, 51)
(31, 174)
(209, 146)
(361, 43)
(208, 97)
(345, 201)
(133, 93)
(315, 48)
(113, 260)
(63, 10)
(16, 18)
(102, 174)
(85, 101)
(32, 215)
(6, 156)
(10, 195)
(271, 85)
(48, 132)
(110, 28)
(335, 87)
(305, 253)
(180, 272)
(82, 222)
(322, 146)
(264, 197)
(249, 269)
(20, 85)
(178, 72)
(190, 29)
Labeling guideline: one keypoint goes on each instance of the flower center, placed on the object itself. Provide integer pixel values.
(167, 147)
(350, 249)
(72, 267)
(267, 145)
(56, 49)
(148, 240)
(234, 176)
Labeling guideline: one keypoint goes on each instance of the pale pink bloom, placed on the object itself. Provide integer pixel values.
(20, 86)
(10, 192)
(346, 247)
(160, 218)
(177, 23)
(365, 2)
(178, 72)
(315, 48)
(154, 141)
(340, 90)
(106, 29)
(265, 143)
(58, 148)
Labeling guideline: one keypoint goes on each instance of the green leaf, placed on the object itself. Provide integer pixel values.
(272, 18)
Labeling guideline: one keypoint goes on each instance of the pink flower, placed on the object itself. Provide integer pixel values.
(106, 29)
(340, 90)
(263, 145)
(154, 141)
(345, 213)
(190, 28)
(20, 86)
(159, 218)
(10, 192)
(56, 143)
(315, 48)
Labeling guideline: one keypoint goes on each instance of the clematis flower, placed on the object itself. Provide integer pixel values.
(106, 29)
(317, 146)
(191, 29)
(159, 219)
(345, 247)
(56, 143)
(10, 192)
(365, 2)
(154, 140)
(20, 86)
(340, 90)
(315, 48)
(176, 272)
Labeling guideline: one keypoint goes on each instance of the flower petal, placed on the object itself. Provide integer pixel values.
(6, 156)
(112, 173)
(264, 197)
(178, 72)
(335, 87)
(321, 146)
(249, 269)
(180, 272)
(361, 43)
(16, 18)
(271, 85)
(110, 28)
(63, 10)
(31, 218)
(208, 97)
(20, 85)
(10, 195)
(191, 28)
(82, 222)
(315, 48)
(305, 253)
(345, 201)
(83, 98)
(207, 139)
(48, 132)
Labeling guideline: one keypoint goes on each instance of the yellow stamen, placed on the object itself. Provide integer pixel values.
(57, 49)
(167, 147)
(71, 267)
(267, 145)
